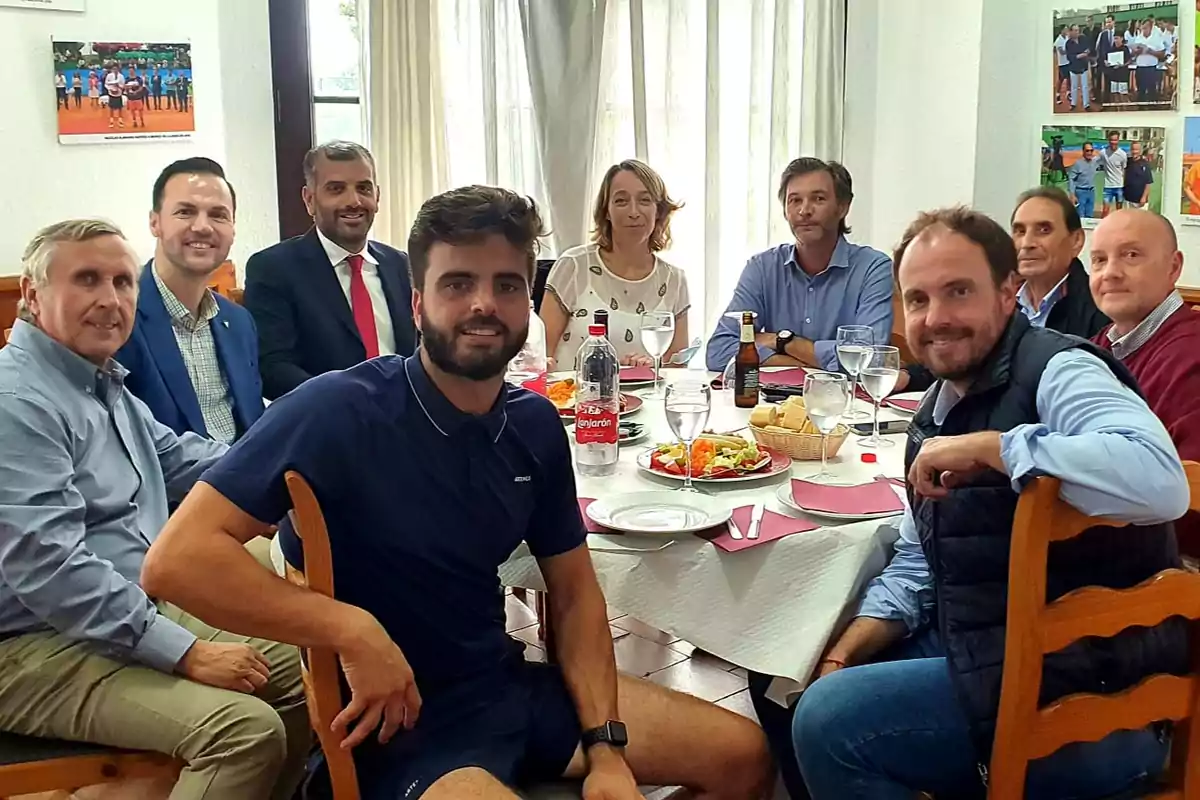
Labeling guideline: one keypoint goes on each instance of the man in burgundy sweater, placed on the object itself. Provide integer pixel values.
(1135, 264)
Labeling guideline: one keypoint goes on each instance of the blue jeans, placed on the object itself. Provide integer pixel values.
(885, 731)
(1078, 78)
(1087, 202)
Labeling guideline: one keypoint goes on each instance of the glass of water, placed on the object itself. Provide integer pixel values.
(658, 331)
(688, 404)
(854, 351)
(879, 377)
(826, 397)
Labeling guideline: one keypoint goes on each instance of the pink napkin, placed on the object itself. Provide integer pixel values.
(588, 523)
(637, 373)
(773, 526)
(907, 405)
(875, 497)
(784, 377)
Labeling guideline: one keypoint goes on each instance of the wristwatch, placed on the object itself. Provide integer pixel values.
(611, 733)
(782, 340)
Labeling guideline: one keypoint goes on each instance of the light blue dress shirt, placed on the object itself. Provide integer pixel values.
(1113, 455)
(84, 489)
(856, 289)
(1041, 314)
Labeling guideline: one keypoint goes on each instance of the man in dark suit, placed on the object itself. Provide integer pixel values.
(193, 355)
(1106, 43)
(330, 298)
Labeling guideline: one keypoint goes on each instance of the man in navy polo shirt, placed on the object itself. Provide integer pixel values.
(1138, 178)
(430, 471)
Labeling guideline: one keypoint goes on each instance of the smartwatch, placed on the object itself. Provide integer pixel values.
(611, 733)
(782, 340)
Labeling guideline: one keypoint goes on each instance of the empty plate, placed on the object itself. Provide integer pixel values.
(659, 512)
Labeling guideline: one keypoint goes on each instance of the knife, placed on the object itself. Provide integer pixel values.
(734, 531)
(755, 519)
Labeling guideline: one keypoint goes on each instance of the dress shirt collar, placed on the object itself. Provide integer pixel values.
(839, 258)
(78, 370)
(178, 312)
(1125, 346)
(1057, 293)
(338, 254)
(444, 415)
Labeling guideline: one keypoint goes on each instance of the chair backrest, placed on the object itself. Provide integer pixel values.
(322, 673)
(1023, 731)
(539, 282)
(7, 333)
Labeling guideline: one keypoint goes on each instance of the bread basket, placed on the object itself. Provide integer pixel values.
(801, 446)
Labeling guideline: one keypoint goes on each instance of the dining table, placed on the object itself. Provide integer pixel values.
(771, 608)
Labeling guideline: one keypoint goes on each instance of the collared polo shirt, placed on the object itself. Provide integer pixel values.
(423, 502)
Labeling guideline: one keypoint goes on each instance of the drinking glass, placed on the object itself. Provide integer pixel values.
(658, 330)
(826, 396)
(687, 405)
(879, 379)
(854, 351)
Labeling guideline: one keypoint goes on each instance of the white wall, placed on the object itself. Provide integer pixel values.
(961, 121)
(46, 181)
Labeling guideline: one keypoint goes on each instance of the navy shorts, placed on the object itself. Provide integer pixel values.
(522, 729)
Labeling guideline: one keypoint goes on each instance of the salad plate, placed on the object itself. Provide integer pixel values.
(715, 458)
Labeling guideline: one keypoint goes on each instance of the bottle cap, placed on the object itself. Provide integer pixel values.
(595, 330)
(869, 458)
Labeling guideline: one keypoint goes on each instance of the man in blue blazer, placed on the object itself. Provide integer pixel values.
(331, 298)
(193, 355)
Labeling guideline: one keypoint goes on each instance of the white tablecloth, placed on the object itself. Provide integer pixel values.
(770, 609)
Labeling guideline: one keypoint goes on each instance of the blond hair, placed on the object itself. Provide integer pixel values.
(660, 237)
(39, 253)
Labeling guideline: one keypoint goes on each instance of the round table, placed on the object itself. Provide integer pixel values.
(771, 608)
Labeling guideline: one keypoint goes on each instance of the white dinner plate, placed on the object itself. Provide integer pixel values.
(659, 512)
(784, 495)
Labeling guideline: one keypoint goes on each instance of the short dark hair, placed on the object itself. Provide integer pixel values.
(197, 165)
(981, 229)
(843, 184)
(467, 216)
(336, 150)
(1054, 195)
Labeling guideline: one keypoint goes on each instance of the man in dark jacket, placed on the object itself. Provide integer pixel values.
(1012, 402)
(1048, 235)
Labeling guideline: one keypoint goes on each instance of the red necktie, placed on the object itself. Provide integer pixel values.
(360, 305)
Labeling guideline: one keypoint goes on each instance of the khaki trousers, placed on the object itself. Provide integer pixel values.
(236, 746)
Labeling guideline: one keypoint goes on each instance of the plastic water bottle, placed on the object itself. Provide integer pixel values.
(597, 405)
(528, 367)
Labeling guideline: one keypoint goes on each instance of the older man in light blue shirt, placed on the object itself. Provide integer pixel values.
(803, 291)
(85, 654)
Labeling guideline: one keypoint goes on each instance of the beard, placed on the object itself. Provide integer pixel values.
(960, 365)
(476, 364)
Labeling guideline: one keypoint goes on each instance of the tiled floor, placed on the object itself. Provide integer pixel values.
(649, 653)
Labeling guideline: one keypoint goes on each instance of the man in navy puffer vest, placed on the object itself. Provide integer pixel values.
(1012, 402)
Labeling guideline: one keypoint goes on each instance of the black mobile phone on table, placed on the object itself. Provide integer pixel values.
(885, 427)
(777, 393)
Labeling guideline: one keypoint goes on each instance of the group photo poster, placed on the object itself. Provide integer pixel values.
(1122, 166)
(123, 91)
(1119, 57)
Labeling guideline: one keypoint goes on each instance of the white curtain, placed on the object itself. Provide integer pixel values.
(824, 78)
(405, 106)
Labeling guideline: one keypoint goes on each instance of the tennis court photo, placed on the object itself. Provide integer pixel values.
(1104, 169)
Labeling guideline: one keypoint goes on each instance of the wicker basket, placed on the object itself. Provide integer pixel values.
(801, 446)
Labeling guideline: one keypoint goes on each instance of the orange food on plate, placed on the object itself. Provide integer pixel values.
(562, 393)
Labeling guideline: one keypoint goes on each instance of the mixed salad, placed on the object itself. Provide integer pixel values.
(712, 456)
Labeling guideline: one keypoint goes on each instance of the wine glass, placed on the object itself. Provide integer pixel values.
(826, 396)
(658, 331)
(854, 351)
(687, 405)
(879, 377)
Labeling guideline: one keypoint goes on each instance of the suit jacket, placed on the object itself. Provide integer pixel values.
(305, 325)
(158, 376)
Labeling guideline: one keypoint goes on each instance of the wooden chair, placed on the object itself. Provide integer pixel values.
(1035, 628)
(7, 333)
(29, 765)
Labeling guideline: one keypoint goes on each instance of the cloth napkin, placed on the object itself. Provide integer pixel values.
(907, 405)
(876, 497)
(773, 526)
(637, 373)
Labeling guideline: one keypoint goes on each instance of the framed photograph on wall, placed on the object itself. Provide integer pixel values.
(1118, 57)
(1190, 201)
(123, 91)
(1123, 166)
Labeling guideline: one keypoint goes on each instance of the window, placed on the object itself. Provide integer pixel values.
(334, 59)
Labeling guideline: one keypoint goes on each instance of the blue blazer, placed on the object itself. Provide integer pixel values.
(158, 376)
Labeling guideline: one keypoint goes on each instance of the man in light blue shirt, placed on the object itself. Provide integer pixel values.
(1013, 402)
(85, 654)
(803, 291)
(1081, 182)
